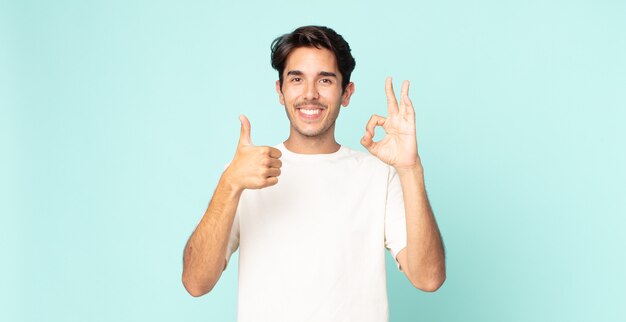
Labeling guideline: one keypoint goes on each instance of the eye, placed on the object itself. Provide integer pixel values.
(326, 81)
(296, 79)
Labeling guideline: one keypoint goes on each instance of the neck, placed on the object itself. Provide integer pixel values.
(322, 144)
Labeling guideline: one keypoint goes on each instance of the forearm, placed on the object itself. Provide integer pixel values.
(204, 255)
(425, 251)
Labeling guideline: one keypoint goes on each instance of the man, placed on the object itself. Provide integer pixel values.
(311, 244)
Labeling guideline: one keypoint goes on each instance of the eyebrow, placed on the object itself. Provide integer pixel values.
(328, 74)
(300, 73)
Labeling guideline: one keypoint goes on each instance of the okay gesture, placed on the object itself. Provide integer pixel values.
(399, 146)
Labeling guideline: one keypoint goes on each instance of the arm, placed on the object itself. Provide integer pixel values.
(423, 260)
(204, 255)
(253, 167)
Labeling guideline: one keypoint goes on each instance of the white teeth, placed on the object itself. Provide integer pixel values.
(310, 112)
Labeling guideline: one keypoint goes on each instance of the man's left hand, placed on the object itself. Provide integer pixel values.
(399, 146)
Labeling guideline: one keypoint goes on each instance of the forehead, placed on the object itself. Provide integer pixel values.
(311, 60)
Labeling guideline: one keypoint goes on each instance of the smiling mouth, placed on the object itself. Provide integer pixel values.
(310, 111)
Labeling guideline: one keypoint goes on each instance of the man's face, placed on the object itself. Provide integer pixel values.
(311, 91)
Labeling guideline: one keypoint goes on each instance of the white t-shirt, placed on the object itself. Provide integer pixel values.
(311, 248)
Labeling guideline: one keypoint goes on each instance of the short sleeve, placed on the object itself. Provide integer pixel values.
(233, 239)
(395, 220)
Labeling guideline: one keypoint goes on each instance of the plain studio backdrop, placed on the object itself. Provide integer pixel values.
(117, 118)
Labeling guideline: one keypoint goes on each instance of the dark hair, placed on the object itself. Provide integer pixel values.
(318, 37)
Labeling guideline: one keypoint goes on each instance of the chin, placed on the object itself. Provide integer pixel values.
(308, 133)
(313, 132)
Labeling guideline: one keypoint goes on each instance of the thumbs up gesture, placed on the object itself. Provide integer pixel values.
(253, 167)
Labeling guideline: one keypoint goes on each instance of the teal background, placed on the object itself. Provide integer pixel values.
(117, 118)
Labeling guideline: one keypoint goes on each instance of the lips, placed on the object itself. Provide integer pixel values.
(310, 111)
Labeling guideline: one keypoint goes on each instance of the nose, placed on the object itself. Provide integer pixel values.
(310, 92)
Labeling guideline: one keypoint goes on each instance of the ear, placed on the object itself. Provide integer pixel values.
(281, 98)
(345, 97)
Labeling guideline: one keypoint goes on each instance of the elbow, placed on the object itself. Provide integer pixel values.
(429, 284)
(196, 289)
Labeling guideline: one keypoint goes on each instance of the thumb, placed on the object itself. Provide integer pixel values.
(244, 135)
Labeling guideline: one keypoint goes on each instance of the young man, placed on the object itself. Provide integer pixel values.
(312, 218)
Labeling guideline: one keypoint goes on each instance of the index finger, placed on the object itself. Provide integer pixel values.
(275, 153)
(392, 104)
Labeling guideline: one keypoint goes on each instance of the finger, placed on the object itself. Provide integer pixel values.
(272, 172)
(375, 120)
(392, 104)
(368, 138)
(275, 153)
(244, 134)
(410, 111)
(405, 88)
(367, 141)
(404, 94)
(270, 181)
(275, 163)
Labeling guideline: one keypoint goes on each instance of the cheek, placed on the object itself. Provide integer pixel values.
(289, 96)
(332, 95)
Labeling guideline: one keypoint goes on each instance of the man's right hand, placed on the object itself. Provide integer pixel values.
(253, 167)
